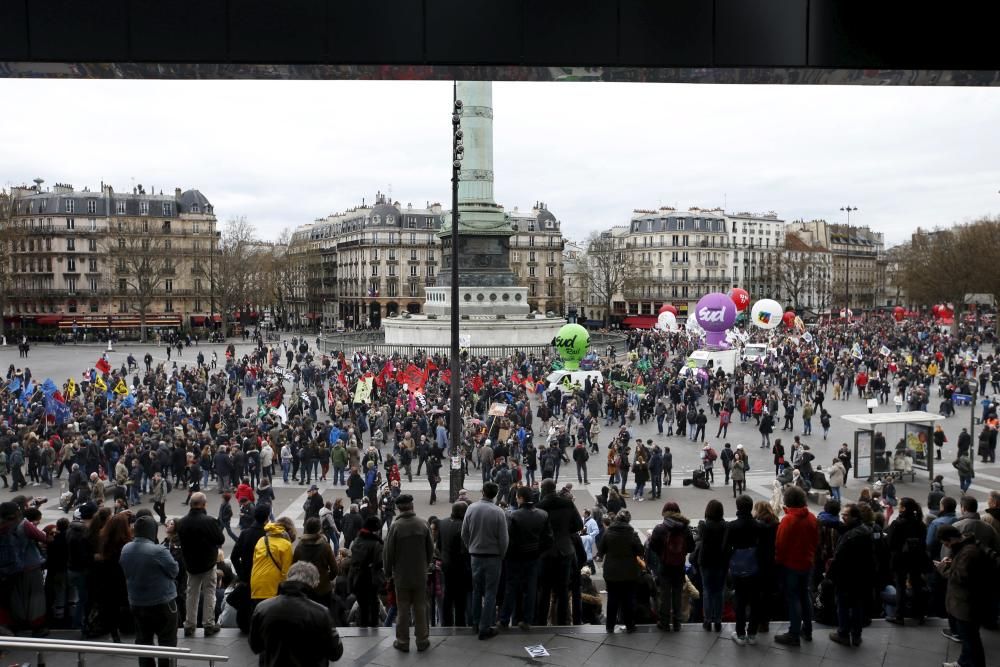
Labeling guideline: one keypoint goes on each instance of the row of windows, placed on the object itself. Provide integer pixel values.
(516, 257)
(45, 224)
(414, 270)
(550, 272)
(70, 207)
(390, 255)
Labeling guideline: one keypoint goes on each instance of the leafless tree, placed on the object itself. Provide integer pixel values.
(10, 234)
(608, 270)
(139, 266)
(234, 269)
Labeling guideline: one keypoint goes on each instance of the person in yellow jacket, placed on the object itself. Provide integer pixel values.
(271, 559)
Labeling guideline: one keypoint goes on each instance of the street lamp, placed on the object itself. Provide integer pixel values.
(455, 427)
(847, 278)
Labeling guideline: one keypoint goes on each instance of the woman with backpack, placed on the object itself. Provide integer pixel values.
(908, 559)
(366, 576)
(670, 543)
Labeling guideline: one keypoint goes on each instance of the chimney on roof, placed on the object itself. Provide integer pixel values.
(177, 193)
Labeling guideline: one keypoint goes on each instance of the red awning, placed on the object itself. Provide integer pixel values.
(312, 316)
(48, 320)
(198, 320)
(217, 318)
(639, 321)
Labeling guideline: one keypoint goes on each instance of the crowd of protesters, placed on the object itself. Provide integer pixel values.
(185, 428)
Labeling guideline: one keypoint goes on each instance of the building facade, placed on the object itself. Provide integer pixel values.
(675, 257)
(756, 243)
(859, 263)
(75, 258)
(804, 276)
(536, 257)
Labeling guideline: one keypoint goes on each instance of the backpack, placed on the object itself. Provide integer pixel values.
(11, 552)
(743, 562)
(712, 454)
(548, 466)
(503, 477)
(675, 548)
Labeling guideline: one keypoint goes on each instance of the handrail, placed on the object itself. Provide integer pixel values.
(81, 642)
(82, 649)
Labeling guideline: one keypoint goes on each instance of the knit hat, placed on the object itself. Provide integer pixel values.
(145, 526)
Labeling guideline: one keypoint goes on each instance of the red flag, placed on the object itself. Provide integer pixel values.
(329, 397)
(495, 382)
(476, 382)
(342, 379)
(431, 367)
(515, 377)
(414, 378)
(103, 365)
(58, 397)
(445, 376)
(384, 376)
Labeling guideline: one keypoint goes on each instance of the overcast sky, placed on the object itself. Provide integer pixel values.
(284, 153)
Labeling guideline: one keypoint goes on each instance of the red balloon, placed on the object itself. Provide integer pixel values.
(740, 297)
(898, 315)
(935, 309)
(668, 308)
(946, 312)
(788, 318)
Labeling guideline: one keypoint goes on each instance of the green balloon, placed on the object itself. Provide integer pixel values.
(572, 343)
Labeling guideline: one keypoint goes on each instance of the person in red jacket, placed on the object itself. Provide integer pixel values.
(244, 490)
(794, 551)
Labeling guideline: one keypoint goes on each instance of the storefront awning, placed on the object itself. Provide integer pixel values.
(198, 320)
(639, 321)
(48, 320)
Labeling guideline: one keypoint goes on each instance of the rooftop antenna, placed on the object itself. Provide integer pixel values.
(38, 184)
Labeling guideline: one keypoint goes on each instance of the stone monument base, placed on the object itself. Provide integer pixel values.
(477, 331)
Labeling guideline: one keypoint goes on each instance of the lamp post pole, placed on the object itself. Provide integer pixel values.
(211, 281)
(455, 427)
(847, 277)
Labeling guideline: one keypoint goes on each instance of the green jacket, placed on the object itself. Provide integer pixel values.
(338, 455)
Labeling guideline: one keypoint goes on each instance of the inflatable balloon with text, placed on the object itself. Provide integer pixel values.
(571, 345)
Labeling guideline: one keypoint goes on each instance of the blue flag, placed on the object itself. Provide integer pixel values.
(128, 401)
(14, 386)
(29, 389)
(49, 387)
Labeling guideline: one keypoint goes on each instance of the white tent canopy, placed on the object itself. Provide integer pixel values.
(882, 418)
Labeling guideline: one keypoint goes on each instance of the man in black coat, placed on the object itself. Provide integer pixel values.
(560, 558)
(530, 535)
(201, 536)
(456, 566)
(851, 571)
(291, 629)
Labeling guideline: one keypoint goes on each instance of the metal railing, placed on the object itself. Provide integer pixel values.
(82, 649)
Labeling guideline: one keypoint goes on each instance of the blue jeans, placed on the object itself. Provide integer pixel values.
(807, 427)
(285, 467)
(338, 475)
(640, 489)
(835, 492)
(798, 602)
(485, 580)
(964, 483)
(713, 581)
(522, 581)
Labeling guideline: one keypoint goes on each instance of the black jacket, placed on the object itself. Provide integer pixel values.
(619, 547)
(291, 630)
(352, 525)
(453, 553)
(711, 535)
(201, 536)
(529, 532)
(564, 520)
(853, 565)
(242, 553)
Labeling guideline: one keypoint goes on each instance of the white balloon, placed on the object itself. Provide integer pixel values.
(666, 321)
(692, 326)
(766, 314)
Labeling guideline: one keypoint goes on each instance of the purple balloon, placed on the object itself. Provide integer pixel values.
(715, 312)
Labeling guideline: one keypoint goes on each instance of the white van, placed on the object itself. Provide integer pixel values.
(713, 360)
(755, 352)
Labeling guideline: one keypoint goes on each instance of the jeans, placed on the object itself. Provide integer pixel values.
(640, 488)
(747, 596)
(285, 467)
(200, 588)
(807, 427)
(656, 484)
(78, 582)
(850, 613)
(835, 492)
(621, 598)
(522, 582)
(713, 581)
(411, 604)
(973, 654)
(964, 483)
(159, 621)
(338, 475)
(671, 586)
(798, 602)
(581, 472)
(485, 579)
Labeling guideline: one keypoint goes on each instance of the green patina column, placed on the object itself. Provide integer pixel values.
(483, 233)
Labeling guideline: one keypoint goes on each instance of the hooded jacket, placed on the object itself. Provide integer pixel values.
(150, 570)
(619, 546)
(272, 556)
(797, 538)
(316, 549)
